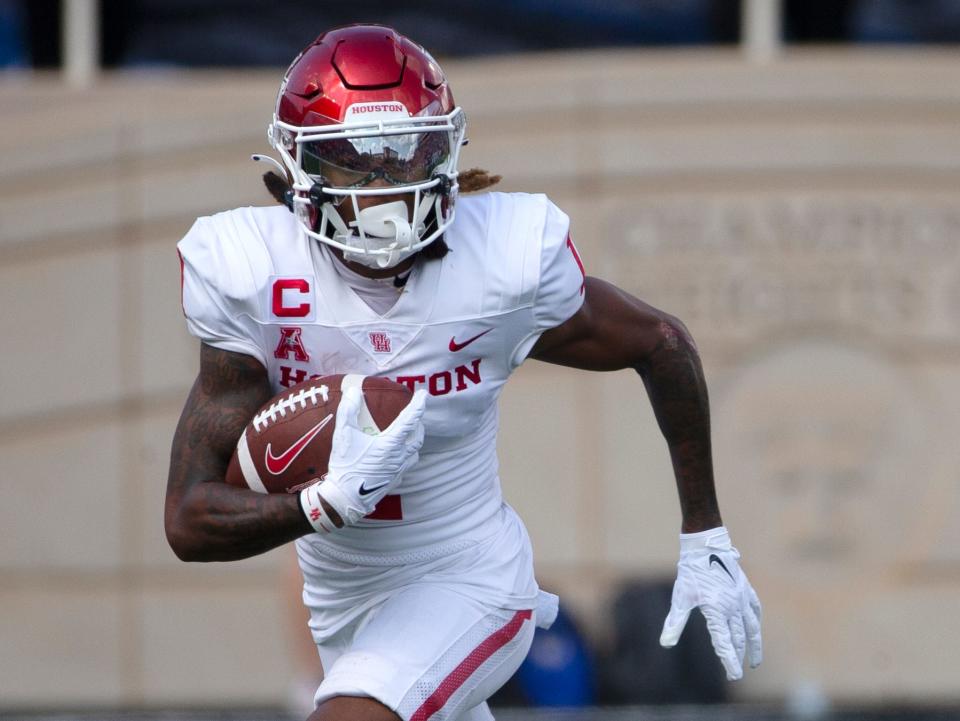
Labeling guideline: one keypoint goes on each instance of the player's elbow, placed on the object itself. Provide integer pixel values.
(667, 340)
(183, 540)
(675, 336)
(180, 544)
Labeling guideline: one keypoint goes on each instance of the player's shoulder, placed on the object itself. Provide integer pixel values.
(235, 250)
(241, 226)
(512, 219)
(500, 246)
(505, 207)
(251, 233)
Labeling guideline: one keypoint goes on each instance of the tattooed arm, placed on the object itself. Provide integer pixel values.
(613, 330)
(205, 519)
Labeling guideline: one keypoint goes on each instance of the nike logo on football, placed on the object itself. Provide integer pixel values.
(278, 464)
(714, 558)
(454, 346)
(364, 491)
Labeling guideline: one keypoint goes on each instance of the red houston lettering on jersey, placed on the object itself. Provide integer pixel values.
(301, 286)
(440, 383)
(576, 257)
(467, 373)
(290, 342)
(411, 382)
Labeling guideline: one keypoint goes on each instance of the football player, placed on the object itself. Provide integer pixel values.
(421, 594)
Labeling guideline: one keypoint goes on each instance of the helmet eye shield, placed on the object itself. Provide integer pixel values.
(400, 159)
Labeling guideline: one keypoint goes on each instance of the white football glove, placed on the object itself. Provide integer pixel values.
(709, 576)
(363, 468)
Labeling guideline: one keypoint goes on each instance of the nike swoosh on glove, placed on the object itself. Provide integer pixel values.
(364, 468)
(709, 577)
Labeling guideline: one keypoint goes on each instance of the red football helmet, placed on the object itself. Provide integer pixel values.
(363, 102)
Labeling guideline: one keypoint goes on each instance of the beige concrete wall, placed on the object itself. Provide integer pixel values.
(802, 217)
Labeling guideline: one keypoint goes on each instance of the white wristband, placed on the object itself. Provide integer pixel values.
(715, 538)
(313, 510)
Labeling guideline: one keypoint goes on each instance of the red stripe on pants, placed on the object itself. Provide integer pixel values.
(493, 643)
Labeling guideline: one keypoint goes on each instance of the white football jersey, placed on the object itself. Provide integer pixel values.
(254, 283)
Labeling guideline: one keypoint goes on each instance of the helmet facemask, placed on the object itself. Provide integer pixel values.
(331, 165)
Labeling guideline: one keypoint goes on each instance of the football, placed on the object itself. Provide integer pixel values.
(286, 446)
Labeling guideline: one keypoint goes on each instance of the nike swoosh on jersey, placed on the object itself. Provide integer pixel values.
(278, 464)
(454, 346)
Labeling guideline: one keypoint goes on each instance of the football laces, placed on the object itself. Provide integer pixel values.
(290, 403)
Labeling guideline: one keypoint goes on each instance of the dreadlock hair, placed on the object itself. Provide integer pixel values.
(470, 181)
(279, 188)
(476, 179)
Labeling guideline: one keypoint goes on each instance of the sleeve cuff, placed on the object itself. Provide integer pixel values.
(716, 538)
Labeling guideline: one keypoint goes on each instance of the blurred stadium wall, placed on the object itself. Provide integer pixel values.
(803, 218)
